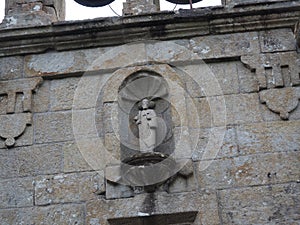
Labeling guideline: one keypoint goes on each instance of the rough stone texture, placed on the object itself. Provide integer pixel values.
(50, 127)
(274, 70)
(229, 147)
(242, 170)
(242, 108)
(73, 159)
(250, 170)
(131, 7)
(227, 45)
(62, 93)
(32, 12)
(277, 204)
(268, 137)
(277, 40)
(63, 188)
(57, 215)
(33, 160)
(11, 68)
(16, 193)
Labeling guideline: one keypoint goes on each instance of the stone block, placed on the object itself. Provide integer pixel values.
(62, 93)
(277, 40)
(100, 211)
(207, 140)
(113, 145)
(269, 137)
(226, 75)
(73, 159)
(239, 109)
(272, 204)
(54, 63)
(247, 80)
(250, 170)
(16, 192)
(63, 188)
(38, 159)
(11, 67)
(65, 214)
(227, 45)
(50, 127)
(41, 97)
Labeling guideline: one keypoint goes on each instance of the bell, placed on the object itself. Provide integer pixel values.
(183, 2)
(94, 3)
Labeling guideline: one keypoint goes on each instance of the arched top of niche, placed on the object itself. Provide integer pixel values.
(143, 84)
(121, 76)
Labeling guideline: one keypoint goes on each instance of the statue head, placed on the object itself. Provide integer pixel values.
(146, 104)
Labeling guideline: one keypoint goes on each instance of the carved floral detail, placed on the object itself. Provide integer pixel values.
(13, 124)
(281, 101)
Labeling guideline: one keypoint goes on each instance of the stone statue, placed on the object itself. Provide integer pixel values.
(147, 126)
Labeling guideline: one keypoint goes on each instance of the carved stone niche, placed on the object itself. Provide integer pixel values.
(149, 159)
(13, 124)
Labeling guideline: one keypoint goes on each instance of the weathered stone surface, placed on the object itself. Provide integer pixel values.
(247, 80)
(227, 45)
(16, 192)
(277, 40)
(62, 93)
(65, 214)
(13, 126)
(113, 145)
(49, 64)
(272, 204)
(11, 67)
(73, 159)
(32, 13)
(250, 170)
(155, 204)
(281, 101)
(51, 127)
(242, 108)
(41, 98)
(63, 188)
(30, 161)
(131, 7)
(274, 70)
(227, 76)
(268, 137)
(228, 148)
(13, 87)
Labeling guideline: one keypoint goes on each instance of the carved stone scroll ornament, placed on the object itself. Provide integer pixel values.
(13, 124)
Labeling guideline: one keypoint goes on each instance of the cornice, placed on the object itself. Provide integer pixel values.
(101, 32)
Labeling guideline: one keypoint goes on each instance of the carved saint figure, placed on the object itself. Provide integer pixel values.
(147, 126)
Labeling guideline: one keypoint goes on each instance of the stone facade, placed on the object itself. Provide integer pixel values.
(233, 114)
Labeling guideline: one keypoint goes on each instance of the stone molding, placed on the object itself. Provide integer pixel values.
(160, 26)
(13, 124)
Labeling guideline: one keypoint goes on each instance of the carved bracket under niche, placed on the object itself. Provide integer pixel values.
(278, 73)
(14, 123)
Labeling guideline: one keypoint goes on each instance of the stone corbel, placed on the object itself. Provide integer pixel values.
(13, 124)
(281, 101)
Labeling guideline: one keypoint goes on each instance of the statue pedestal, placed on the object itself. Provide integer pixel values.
(148, 170)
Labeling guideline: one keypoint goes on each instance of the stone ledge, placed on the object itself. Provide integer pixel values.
(159, 26)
